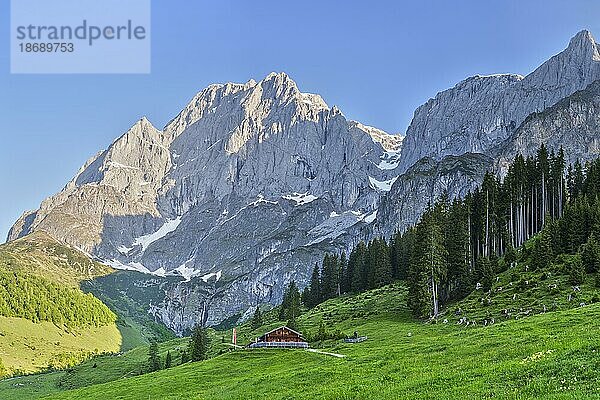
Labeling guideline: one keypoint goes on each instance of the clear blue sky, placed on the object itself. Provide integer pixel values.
(376, 60)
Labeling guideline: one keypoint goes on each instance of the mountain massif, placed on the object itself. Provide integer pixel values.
(253, 183)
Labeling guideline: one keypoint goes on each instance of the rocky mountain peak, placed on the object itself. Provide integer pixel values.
(276, 94)
(481, 112)
(279, 82)
(584, 44)
(143, 128)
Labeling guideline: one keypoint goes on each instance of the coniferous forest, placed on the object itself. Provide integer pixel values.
(38, 299)
(540, 209)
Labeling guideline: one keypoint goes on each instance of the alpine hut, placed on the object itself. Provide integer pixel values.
(282, 337)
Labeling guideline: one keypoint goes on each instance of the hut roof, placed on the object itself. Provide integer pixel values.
(282, 327)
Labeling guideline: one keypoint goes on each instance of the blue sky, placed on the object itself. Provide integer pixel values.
(376, 60)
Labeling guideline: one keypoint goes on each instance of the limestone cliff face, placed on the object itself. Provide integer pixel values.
(573, 124)
(239, 194)
(481, 112)
(123, 180)
(485, 121)
(425, 182)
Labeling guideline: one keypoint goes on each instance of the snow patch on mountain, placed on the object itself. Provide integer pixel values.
(260, 199)
(383, 186)
(124, 249)
(389, 160)
(132, 266)
(371, 217)
(216, 275)
(301, 198)
(169, 226)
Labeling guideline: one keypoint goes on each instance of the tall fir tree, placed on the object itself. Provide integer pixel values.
(380, 264)
(199, 342)
(153, 358)
(257, 319)
(576, 270)
(590, 255)
(345, 278)
(168, 360)
(314, 292)
(330, 276)
(290, 306)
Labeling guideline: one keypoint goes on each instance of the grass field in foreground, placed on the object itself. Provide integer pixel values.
(555, 355)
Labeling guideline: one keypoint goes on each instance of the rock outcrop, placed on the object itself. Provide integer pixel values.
(481, 112)
(239, 194)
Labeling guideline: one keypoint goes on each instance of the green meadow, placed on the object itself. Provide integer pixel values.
(552, 355)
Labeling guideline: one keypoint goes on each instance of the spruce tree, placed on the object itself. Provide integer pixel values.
(404, 252)
(294, 301)
(359, 269)
(153, 358)
(428, 269)
(314, 293)
(437, 255)
(578, 180)
(345, 279)
(485, 273)
(330, 276)
(457, 243)
(199, 343)
(542, 251)
(290, 307)
(418, 292)
(590, 255)
(257, 319)
(382, 266)
(576, 270)
(168, 360)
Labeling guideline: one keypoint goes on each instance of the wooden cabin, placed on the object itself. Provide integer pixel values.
(282, 337)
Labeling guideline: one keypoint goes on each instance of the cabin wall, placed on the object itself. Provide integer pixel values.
(282, 336)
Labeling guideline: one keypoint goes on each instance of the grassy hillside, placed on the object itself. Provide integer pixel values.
(521, 292)
(45, 319)
(99, 369)
(551, 355)
(41, 255)
(26, 346)
(42, 279)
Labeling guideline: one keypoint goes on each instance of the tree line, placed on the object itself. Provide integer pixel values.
(460, 244)
(368, 266)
